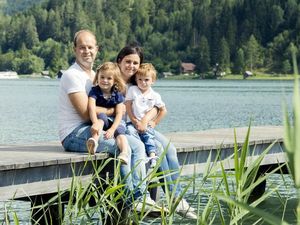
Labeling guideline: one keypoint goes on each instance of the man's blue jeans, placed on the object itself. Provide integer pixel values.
(76, 142)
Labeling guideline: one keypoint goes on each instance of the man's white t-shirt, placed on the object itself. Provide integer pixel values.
(73, 80)
(142, 103)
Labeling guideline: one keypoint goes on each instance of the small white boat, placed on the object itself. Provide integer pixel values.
(8, 75)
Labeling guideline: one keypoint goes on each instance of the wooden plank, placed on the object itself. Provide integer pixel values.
(36, 168)
(192, 169)
(38, 188)
(212, 139)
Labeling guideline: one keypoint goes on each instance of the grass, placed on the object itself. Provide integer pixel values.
(226, 199)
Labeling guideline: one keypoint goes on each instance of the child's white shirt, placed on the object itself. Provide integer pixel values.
(142, 103)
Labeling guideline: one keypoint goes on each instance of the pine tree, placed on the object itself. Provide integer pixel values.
(253, 53)
(203, 55)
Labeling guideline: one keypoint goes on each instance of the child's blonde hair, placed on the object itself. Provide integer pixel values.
(114, 70)
(147, 69)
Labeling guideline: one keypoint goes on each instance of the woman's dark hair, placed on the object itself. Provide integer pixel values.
(130, 49)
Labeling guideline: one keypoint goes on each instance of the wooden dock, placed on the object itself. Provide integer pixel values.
(38, 169)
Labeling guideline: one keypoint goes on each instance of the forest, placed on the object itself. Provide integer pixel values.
(238, 35)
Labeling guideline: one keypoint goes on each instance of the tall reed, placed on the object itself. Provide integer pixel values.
(292, 134)
(236, 192)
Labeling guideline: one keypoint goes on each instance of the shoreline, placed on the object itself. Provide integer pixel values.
(232, 77)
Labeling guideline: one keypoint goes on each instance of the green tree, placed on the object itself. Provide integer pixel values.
(27, 63)
(181, 23)
(278, 51)
(55, 55)
(202, 53)
(224, 56)
(239, 64)
(12, 36)
(140, 19)
(30, 35)
(276, 17)
(6, 61)
(161, 21)
(40, 16)
(54, 25)
(286, 67)
(254, 54)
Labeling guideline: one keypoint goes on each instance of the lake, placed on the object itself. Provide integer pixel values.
(28, 109)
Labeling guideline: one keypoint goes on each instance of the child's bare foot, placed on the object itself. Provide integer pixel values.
(92, 145)
(123, 157)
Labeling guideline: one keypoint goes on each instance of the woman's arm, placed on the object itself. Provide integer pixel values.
(161, 114)
(136, 123)
(149, 116)
(129, 111)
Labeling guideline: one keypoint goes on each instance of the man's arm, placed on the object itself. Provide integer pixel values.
(80, 102)
(107, 111)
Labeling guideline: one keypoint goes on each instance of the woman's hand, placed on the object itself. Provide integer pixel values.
(152, 124)
(141, 126)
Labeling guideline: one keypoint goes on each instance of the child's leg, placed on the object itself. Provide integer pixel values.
(149, 140)
(122, 142)
(92, 143)
(122, 145)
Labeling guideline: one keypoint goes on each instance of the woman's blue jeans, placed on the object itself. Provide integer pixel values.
(169, 163)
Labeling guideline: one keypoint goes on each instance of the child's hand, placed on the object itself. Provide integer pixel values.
(109, 133)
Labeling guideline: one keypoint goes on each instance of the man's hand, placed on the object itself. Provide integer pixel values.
(95, 128)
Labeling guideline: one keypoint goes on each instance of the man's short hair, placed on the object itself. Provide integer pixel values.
(80, 32)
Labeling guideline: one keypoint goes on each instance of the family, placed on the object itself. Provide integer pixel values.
(91, 117)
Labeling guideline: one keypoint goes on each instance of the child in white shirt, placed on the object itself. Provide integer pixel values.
(139, 100)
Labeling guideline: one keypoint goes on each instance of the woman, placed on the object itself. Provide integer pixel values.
(129, 60)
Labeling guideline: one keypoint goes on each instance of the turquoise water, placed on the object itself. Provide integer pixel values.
(28, 109)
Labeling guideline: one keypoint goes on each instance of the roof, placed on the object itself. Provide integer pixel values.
(188, 66)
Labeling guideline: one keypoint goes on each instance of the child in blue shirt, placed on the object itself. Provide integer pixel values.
(107, 93)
